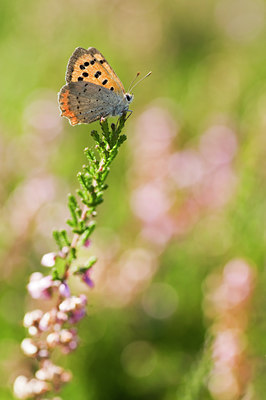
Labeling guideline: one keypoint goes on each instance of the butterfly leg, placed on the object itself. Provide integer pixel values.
(117, 123)
(130, 112)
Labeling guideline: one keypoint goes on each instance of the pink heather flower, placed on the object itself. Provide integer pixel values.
(31, 321)
(43, 353)
(47, 320)
(40, 287)
(73, 303)
(66, 335)
(76, 316)
(75, 308)
(29, 348)
(61, 317)
(53, 373)
(48, 260)
(25, 388)
(52, 339)
(68, 340)
(20, 388)
(32, 318)
(64, 252)
(87, 243)
(87, 279)
(64, 289)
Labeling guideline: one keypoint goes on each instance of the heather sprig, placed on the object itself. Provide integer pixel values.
(54, 328)
(92, 179)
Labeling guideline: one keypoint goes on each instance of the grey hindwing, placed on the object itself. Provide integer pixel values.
(90, 102)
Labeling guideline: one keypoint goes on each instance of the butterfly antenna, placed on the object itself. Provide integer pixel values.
(134, 80)
(144, 77)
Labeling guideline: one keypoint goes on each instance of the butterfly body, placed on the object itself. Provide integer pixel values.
(93, 90)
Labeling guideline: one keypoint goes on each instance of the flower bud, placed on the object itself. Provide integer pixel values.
(48, 260)
(52, 339)
(32, 318)
(64, 289)
(86, 277)
(29, 348)
(40, 287)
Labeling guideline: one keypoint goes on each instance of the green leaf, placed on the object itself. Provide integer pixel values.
(74, 210)
(91, 261)
(90, 155)
(56, 236)
(84, 195)
(61, 238)
(87, 233)
(105, 128)
(55, 275)
(83, 182)
(64, 238)
(121, 140)
(72, 255)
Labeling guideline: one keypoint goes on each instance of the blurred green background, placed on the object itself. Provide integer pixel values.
(186, 194)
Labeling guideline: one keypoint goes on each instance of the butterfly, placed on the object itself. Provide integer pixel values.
(93, 90)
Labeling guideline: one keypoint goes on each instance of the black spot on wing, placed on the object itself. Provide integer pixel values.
(97, 74)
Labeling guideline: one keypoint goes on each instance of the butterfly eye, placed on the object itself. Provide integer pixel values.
(128, 97)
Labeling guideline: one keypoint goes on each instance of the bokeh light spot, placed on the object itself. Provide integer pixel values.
(139, 359)
(160, 301)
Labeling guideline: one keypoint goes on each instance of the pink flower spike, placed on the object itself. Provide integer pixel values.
(48, 260)
(87, 279)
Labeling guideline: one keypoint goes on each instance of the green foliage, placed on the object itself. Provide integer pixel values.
(194, 383)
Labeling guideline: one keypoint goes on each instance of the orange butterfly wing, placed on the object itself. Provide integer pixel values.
(87, 66)
(91, 66)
